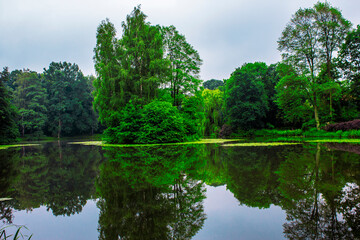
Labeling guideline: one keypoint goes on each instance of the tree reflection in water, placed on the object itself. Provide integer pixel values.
(315, 186)
(158, 192)
(52, 175)
(151, 193)
(8, 174)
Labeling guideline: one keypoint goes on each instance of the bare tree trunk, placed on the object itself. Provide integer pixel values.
(316, 114)
(59, 129)
(60, 150)
(23, 126)
(331, 113)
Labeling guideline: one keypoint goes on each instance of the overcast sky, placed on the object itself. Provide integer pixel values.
(227, 33)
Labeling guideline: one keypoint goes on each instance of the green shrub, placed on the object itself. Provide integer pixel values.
(161, 123)
(275, 132)
(124, 125)
(157, 122)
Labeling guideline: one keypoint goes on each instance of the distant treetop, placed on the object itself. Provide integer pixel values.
(213, 84)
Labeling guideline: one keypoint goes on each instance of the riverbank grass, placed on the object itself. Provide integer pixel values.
(308, 133)
(202, 141)
(2, 147)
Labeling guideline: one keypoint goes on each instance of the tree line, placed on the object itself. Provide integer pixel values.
(315, 84)
(148, 88)
(57, 103)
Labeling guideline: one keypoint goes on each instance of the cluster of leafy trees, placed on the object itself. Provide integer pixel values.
(148, 88)
(8, 129)
(316, 83)
(57, 102)
(147, 85)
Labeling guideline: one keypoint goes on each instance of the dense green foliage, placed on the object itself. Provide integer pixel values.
(157, 122)
(162, 122)
(8, 114)
(129, 68)
(185, 62)
(246, 99)
(69, 101)
(145, 80)
(349, 64)
(30, 97)
(309, 88)
(57, 102)
(214, 111)
(213, 84)
(291, 95)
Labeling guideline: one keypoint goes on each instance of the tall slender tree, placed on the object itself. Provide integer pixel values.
(299, 42)
(129, 68)
(184, 62)
(332, 29)
(107, 98)
(308, 42)
(141, 57)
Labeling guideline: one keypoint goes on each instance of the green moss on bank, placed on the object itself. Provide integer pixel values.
(309, 133)
(203, 141)
(2, 147)
(260, 144)
(351, 140)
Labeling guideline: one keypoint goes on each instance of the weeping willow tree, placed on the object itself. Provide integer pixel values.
(213, 102)
(129, 68)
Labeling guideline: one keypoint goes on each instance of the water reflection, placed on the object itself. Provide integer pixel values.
(8, 175)
(315, 185)
(60, 178)
(158, 192)
(151, 193)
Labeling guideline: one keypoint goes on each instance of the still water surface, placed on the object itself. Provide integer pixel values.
(205, 191)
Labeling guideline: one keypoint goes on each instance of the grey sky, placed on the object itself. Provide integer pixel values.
(226, 33)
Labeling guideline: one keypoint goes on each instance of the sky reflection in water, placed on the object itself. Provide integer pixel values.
(197, 192)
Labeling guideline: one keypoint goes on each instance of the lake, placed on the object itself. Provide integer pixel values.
(61, 190)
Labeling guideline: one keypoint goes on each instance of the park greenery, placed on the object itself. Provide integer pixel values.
(147, 87)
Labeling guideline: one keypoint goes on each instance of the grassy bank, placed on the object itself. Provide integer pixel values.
(309, 133)
(202, 141)
(51, 139)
